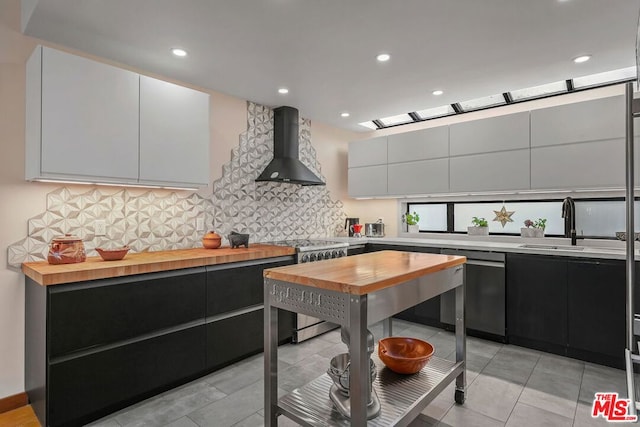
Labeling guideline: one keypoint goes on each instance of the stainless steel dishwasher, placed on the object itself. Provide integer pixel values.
(485, 294)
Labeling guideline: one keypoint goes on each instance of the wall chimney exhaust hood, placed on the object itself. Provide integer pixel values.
(286, 165)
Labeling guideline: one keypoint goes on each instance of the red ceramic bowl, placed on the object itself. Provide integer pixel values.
(113, 254)
(404, 355)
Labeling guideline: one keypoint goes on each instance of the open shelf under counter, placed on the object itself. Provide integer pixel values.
(402, 397)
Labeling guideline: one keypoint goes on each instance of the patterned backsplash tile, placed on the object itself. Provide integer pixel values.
(152, 221)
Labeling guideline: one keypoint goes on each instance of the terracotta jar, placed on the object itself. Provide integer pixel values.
(211, 240)
(66, 249)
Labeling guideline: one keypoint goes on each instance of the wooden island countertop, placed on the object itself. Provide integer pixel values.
(366, 273)
(147, 262)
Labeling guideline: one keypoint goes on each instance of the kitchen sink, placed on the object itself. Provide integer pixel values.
(553, 247)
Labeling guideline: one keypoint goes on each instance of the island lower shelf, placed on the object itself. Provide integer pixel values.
(398, 394)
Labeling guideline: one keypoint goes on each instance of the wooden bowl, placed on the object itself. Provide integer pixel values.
(113, 254)
(404, 355)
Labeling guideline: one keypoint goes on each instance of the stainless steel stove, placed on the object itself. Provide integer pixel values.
(311, 251)
(315, 250)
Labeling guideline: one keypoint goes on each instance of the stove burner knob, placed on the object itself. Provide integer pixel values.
(313, 257)
(341, 254)
(327, 255)
(305, 258)
(320, 256)
(334, 254)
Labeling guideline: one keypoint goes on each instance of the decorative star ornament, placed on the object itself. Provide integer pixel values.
(503, 216)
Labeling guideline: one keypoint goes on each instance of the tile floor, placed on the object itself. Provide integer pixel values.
(506, 386)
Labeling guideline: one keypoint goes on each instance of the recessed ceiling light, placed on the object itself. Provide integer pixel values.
(344, 115)
(179, 52)
(437, 92)
(581, 59)
(283, 90)
(383, 57)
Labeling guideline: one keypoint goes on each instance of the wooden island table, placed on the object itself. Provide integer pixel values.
(356, 292)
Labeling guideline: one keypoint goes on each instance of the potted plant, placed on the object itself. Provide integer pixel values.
(480, 227)
(412, 222)
(533, 228)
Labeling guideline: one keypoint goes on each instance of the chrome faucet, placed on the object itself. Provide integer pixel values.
(569, 215)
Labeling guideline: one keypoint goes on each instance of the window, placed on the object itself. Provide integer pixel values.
(602, 218)
(551, 211)
(433, 217)
(595, 218)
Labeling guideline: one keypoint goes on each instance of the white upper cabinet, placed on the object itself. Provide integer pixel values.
(594, 120)
(579, 145)
(421, 177)
(594, 164)
(174, 133)
(423, 144)
(91, 122)
(368, 152)
(506, 170)
(500, 133)
(367, 181)
(88, 119)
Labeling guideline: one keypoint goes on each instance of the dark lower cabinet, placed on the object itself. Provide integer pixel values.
(231, 287)
(537, 302)
(575, 307)
(98, 346)
(427, 312)
(111, 310)
(233, 338)
(87, 387)
(596, 311)
(236, 337)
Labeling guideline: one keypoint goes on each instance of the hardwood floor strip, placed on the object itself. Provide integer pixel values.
(21, 417)
(13, 402)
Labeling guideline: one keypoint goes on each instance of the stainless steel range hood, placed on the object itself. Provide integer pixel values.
(286, 166)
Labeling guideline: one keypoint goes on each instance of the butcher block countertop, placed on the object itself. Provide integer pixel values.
(366, 273)
(147, 262)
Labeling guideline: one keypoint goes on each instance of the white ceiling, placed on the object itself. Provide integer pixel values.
(324, 50)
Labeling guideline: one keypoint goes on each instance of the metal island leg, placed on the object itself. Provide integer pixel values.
(359, 370)
(461, 342)
(270, 364)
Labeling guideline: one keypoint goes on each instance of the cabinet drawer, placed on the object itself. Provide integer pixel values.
(234, 338)
(88, 387)
(234, 288)
(113, 310)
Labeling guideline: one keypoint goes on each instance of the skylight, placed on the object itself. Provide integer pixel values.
(431, 113)
(369, 125)
(520, 95)
(539, 91)
(607, 77)
(484, 102)
(396, 120)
